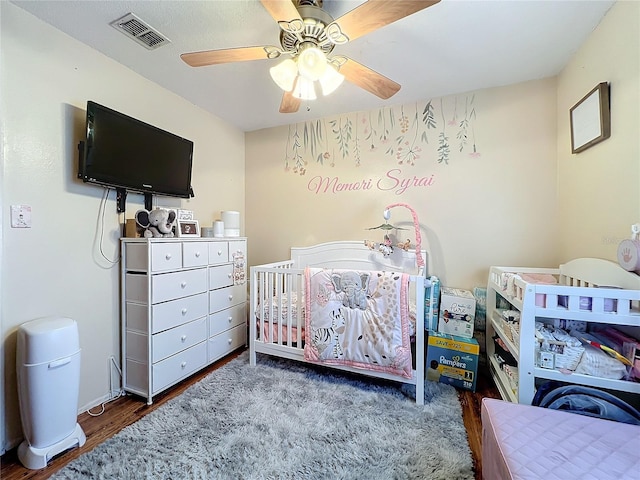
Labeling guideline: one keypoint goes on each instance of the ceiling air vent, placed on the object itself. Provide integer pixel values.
(139, 31)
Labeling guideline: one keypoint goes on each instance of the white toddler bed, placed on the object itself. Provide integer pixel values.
(278, 303)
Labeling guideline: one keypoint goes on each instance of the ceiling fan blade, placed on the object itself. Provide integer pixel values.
(215, 57)
(281, 10)
(368, 79)
(289, 104)
(375, 14)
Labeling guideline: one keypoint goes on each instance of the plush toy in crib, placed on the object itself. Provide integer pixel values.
(157, 223)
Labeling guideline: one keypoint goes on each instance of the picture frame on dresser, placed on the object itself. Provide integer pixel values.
(188, 228)
(184, 214)
(590, 119)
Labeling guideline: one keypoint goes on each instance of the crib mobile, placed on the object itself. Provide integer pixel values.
(386, 246)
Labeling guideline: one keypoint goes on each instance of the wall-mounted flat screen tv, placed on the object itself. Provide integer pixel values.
(126, 153)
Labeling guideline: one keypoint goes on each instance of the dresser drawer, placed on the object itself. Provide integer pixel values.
(237, 246)
(227, 342)
(218, 252)
(195, 254)
(137, 256)
(220, 276)
(226, 319)
(175, 368)
(226, 297)
(136, 317)
(176, 312)
(137, 346)
(168, 286)
(177, 339)
(166, 256)
(136, 289)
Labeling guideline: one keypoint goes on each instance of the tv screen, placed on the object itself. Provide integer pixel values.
(123, 152)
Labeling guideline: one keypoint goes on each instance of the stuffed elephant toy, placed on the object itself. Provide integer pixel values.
(157, 223)
(353, 286)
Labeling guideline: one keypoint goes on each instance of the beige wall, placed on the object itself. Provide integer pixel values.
(57, 267)
(600, 187)
(492, 206)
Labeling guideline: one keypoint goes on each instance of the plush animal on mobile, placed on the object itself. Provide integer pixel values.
(157, 222)
(404, 245)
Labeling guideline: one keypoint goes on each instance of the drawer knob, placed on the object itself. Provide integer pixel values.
(197, 254)
(183, 338)
(219, 253)
(184, 311)
(168, 256)
(229, 341)
(183, 284)
(229, 275)
(230, 297)
(183, 364)
(230, 319)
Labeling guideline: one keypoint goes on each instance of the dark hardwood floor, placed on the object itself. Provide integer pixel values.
(128, 409)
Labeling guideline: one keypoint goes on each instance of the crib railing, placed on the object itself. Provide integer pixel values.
(277, 310)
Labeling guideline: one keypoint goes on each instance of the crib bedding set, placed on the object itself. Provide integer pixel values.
(359, 319)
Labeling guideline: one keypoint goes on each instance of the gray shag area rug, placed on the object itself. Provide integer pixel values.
(287, 420)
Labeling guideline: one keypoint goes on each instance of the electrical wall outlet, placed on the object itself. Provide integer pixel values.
(20, 216)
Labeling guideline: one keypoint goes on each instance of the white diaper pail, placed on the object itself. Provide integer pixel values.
(48, 368)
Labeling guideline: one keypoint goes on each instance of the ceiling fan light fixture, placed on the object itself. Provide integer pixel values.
(312, 63)
(304, 89)
(331, 80)
(284, 74)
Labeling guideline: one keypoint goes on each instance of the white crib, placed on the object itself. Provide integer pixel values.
(277, 291)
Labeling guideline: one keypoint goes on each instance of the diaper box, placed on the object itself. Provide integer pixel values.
(452, 360)
(457, 312)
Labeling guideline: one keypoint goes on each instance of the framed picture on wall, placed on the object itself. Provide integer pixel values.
(188, 228)
(590, 119)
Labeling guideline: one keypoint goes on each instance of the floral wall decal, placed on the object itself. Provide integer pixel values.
(401, 130)
(341, 129)
(293, 153)
(469, 114)
(443, 140)
(408, 151)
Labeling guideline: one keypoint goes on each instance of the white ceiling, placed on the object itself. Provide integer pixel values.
(452, 47)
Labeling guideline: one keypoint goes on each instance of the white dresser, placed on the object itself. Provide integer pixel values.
(183, 307)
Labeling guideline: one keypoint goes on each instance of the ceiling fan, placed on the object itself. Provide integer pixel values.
(308, 35)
